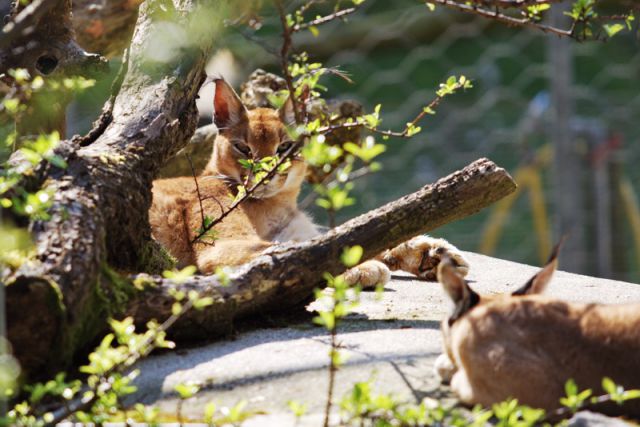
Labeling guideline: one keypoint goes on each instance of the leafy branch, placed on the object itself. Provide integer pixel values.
(529, 13)
(109, 366)
(372, 121)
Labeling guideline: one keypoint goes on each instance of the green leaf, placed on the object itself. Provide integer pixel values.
(209, 412)
(613, 29)
(351, 255)
(180, 276)
(176, 308)
(631, 394)
(609, 386)
(187, 390)
(570, 388)
(298, 409)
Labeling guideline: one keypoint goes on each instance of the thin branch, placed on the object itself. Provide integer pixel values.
(195, 180)
(516, 3)
(399, 134)
(506, 19)
(284, 59)
(324, 19)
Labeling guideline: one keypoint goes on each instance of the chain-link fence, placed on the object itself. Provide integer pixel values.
(398, 52)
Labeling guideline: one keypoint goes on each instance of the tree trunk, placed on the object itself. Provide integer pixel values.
(101, 203)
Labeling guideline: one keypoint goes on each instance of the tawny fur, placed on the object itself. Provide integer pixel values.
(527, 346)
(271, 215)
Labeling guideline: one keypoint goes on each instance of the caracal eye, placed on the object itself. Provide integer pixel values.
(242, 148)
(284, 147)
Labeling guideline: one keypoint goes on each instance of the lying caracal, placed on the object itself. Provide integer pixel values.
(271, 215)
(526, 346)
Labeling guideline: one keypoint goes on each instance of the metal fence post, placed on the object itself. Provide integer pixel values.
(567, 179)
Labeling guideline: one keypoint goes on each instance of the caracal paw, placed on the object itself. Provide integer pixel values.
(422, 254)
(368, 275)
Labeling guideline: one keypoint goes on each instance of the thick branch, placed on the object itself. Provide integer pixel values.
(105, 27)
(40, 38)
(287, 275)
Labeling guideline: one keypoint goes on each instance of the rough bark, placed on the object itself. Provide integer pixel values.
(39, 37)
(101, 202)
(105, 27)
(198, 150)
(289, 273)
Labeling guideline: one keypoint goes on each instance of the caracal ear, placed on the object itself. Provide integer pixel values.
(463, 297)
(538, 283)
(287, 112)
(228, 110)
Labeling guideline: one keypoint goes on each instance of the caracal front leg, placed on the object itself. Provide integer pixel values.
(419, 256)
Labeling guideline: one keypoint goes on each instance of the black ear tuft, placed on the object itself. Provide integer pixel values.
(228, 110)
(464, 298)
(538, 283)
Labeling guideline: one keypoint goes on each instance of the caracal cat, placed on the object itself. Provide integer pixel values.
(526, 346)
(271, 215)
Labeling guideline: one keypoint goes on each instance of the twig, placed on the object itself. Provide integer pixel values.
(195, 180)
(516, 3)
(509, 20)
(403, 134)
(324, 19)
(284, 59)
(332, 376)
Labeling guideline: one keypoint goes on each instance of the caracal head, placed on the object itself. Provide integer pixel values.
(252, 135)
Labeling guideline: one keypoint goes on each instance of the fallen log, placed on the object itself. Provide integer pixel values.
(287, 275)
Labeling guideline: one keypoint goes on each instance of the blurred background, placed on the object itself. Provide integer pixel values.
(534, 97)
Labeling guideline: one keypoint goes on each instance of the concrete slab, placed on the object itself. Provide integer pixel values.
(396, 339)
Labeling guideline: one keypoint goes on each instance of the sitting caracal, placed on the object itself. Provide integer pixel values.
(271, 215)
(526, 346)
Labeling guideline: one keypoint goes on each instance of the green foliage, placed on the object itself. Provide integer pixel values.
(180, 276)
(362, 407)
(187, 390)
(351, 255)
(207, 233)
(335, 196)
(298, 409)
(109, 373)
(452, 85)
(34, 151)
(574, 400)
